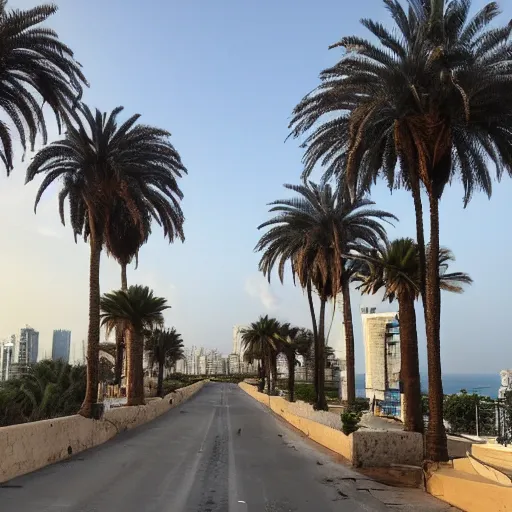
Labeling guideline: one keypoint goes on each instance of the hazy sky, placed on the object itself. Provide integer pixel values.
(223, 76)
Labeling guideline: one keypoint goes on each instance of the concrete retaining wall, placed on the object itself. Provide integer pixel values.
(30, 446)
(364, 448)
(467, 491)
(379, 448)
(494, 454)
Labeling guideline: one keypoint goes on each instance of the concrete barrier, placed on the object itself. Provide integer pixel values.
(380, 448)
(494, 454)
(30, 446)
(467, 490)
(364, 448)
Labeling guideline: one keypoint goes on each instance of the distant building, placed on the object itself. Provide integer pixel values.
(181, 366)
(28, 346)
(215, 363)
(238, 346)
(233, 364)
(381, 336)
(506, 383)
(7, 359)
(191, 360)
(201, 364)
(61, 344)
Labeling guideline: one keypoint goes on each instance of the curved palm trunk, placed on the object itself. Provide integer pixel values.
(119, 334)
(93, 335)
(410, 366)
(160, 377)
(349, 343)
(134, 353)
(436, 435)
(315, 329)
(321, 403)
(290, 355)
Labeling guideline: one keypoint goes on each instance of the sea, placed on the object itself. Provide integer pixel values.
(485, 384)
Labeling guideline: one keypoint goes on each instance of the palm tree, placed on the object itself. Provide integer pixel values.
(294, 340)
(165, 347)
(395, 267)
(101, 165)
(123, 239)
(312, 232)
(435, 96)
(139, 310)
(262, 339)
(34, 60)
(50, 389)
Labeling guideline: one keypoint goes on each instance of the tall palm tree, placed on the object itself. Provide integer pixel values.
(100, 163)
(395, 267)
(263, 338)
(294, 340)
(123, 239)
(433, 95)
(312, 232)
(34, 60)
(139, 310)
(165, 347)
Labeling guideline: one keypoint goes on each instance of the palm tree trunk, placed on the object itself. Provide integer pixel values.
(273, 359)
(410, 366)
(315, 329)
(119, 334)
(134, 353)
(291, 375)
(93, 335)
(321, 403)
(261, 375)
(436, 435)
(420, 239)
(349, 342)
(124, 280)
(268, 366)
(160, 378)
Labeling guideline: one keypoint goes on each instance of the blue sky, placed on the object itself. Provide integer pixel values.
(223, 77)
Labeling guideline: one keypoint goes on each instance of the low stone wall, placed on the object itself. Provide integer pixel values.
(380, 448)
(364, 448)
(30, 446)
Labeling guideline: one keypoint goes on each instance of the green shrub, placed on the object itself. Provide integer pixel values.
(350, 422)
(361, 405)
(305, 392)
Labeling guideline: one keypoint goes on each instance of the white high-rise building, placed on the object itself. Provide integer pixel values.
(201, 364)
(6, 359)
(381, 336)
(238, 347)
(191, 357)
(181, 366)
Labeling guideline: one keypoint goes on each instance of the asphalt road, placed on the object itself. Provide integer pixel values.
(219, 452)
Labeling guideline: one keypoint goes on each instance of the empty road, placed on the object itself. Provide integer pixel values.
(219, 452)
